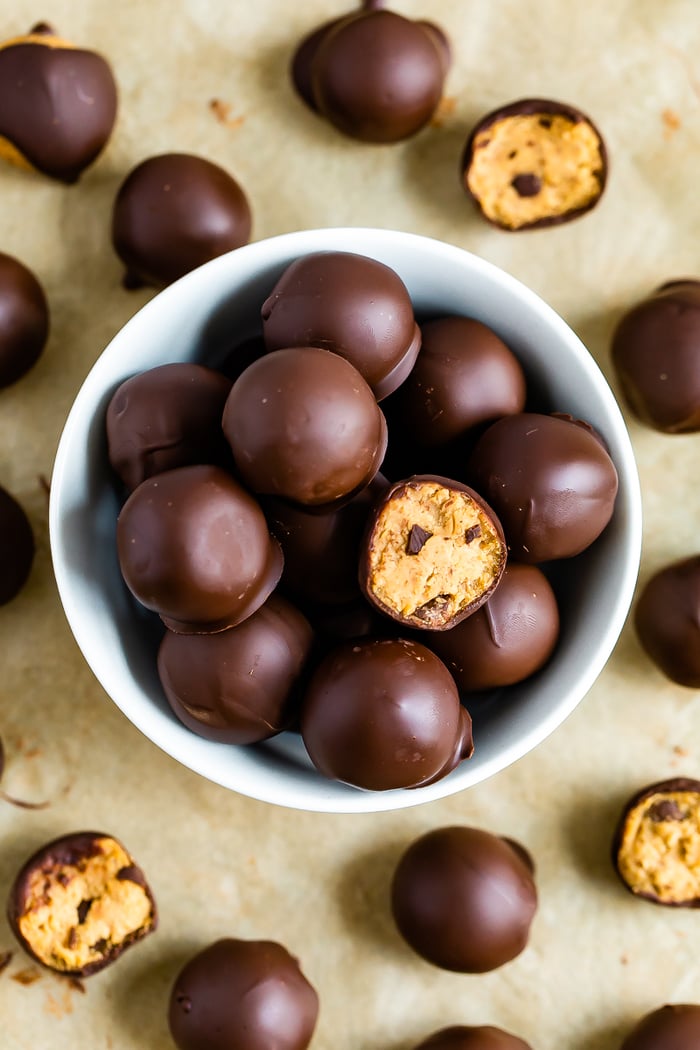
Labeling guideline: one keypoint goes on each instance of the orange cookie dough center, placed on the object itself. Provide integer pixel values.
(76, 914)
(559, 159)
(433, 552)
(659, 854)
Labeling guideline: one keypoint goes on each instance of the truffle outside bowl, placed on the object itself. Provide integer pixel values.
(200, 318)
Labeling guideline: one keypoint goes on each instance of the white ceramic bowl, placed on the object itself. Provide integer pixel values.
(200, 318)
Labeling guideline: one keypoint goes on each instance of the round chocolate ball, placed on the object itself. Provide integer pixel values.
(667, 620)
(655, 351)
(24, 319)
(668, 1028)
(321, 551)
(242, 995)
(550, 481)
(377, 76)
(355, 306)
(464, 376)
(464, 899)
(58, 104)
(194, 546)
(16, 547)
(507, 639)
(237, 686)
(166, 417)
(384, 714)
(174, 212)
(304, 425)
(479, 1037)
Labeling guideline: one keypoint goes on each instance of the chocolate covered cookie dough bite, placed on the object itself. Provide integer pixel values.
(674, 1027)
(373, 74)
(656, 354)
(433, 553)
(17, 547)
(534, 163)
(174, 212)
(383, 714)
(473, 1037)
(352, 305)
(79, 902)
(24, 319)
(242, 995)
(58, 104)
(667, 621)
(464, 899)
(656, 847)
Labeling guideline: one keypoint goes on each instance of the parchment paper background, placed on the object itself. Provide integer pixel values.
(220, 863)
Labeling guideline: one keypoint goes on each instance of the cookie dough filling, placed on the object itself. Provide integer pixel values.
(658, 846)
(79, 907)
(434, 554)
(537, 168)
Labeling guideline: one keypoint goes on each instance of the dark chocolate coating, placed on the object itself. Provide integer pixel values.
(174, 212)
(384, 714)
(464, 899)
(304, 425)
(321, 551)
(674, 1027)
(302, 62)
(480, 1037)
(193, 546)
(24, 319)
(237, 686)
(655, 351)
(667, 621)
(355, 306)
(375, 75)
(509, 638)
(549, 480)
(663, 810)
(242, 355)
(167, 417)
(57, 105)
(464, 376)
(526, 107)
(16, 547)
(242, 995)
(73, 851)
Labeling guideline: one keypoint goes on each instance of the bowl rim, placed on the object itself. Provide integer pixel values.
(629, 507)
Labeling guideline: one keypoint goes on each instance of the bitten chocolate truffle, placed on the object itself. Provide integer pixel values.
(480, 1037)
(237, 686)
(655, 351)
(167, 417)
(433, 554)
(509, 638)
(667, 620)
(79, 902)
(549, 479)
(304, 425)
(58, 104)
(374, 75)
(674, 1027)
(464, 899)
(173, 213)
(464, 376)
(534, 163)
(16, 547)
(24, 319)
(384, 714)
(357, 307)
(242, 995)
(656, 847)
(193, 546)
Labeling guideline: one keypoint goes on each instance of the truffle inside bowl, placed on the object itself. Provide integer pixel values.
(199, 319)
